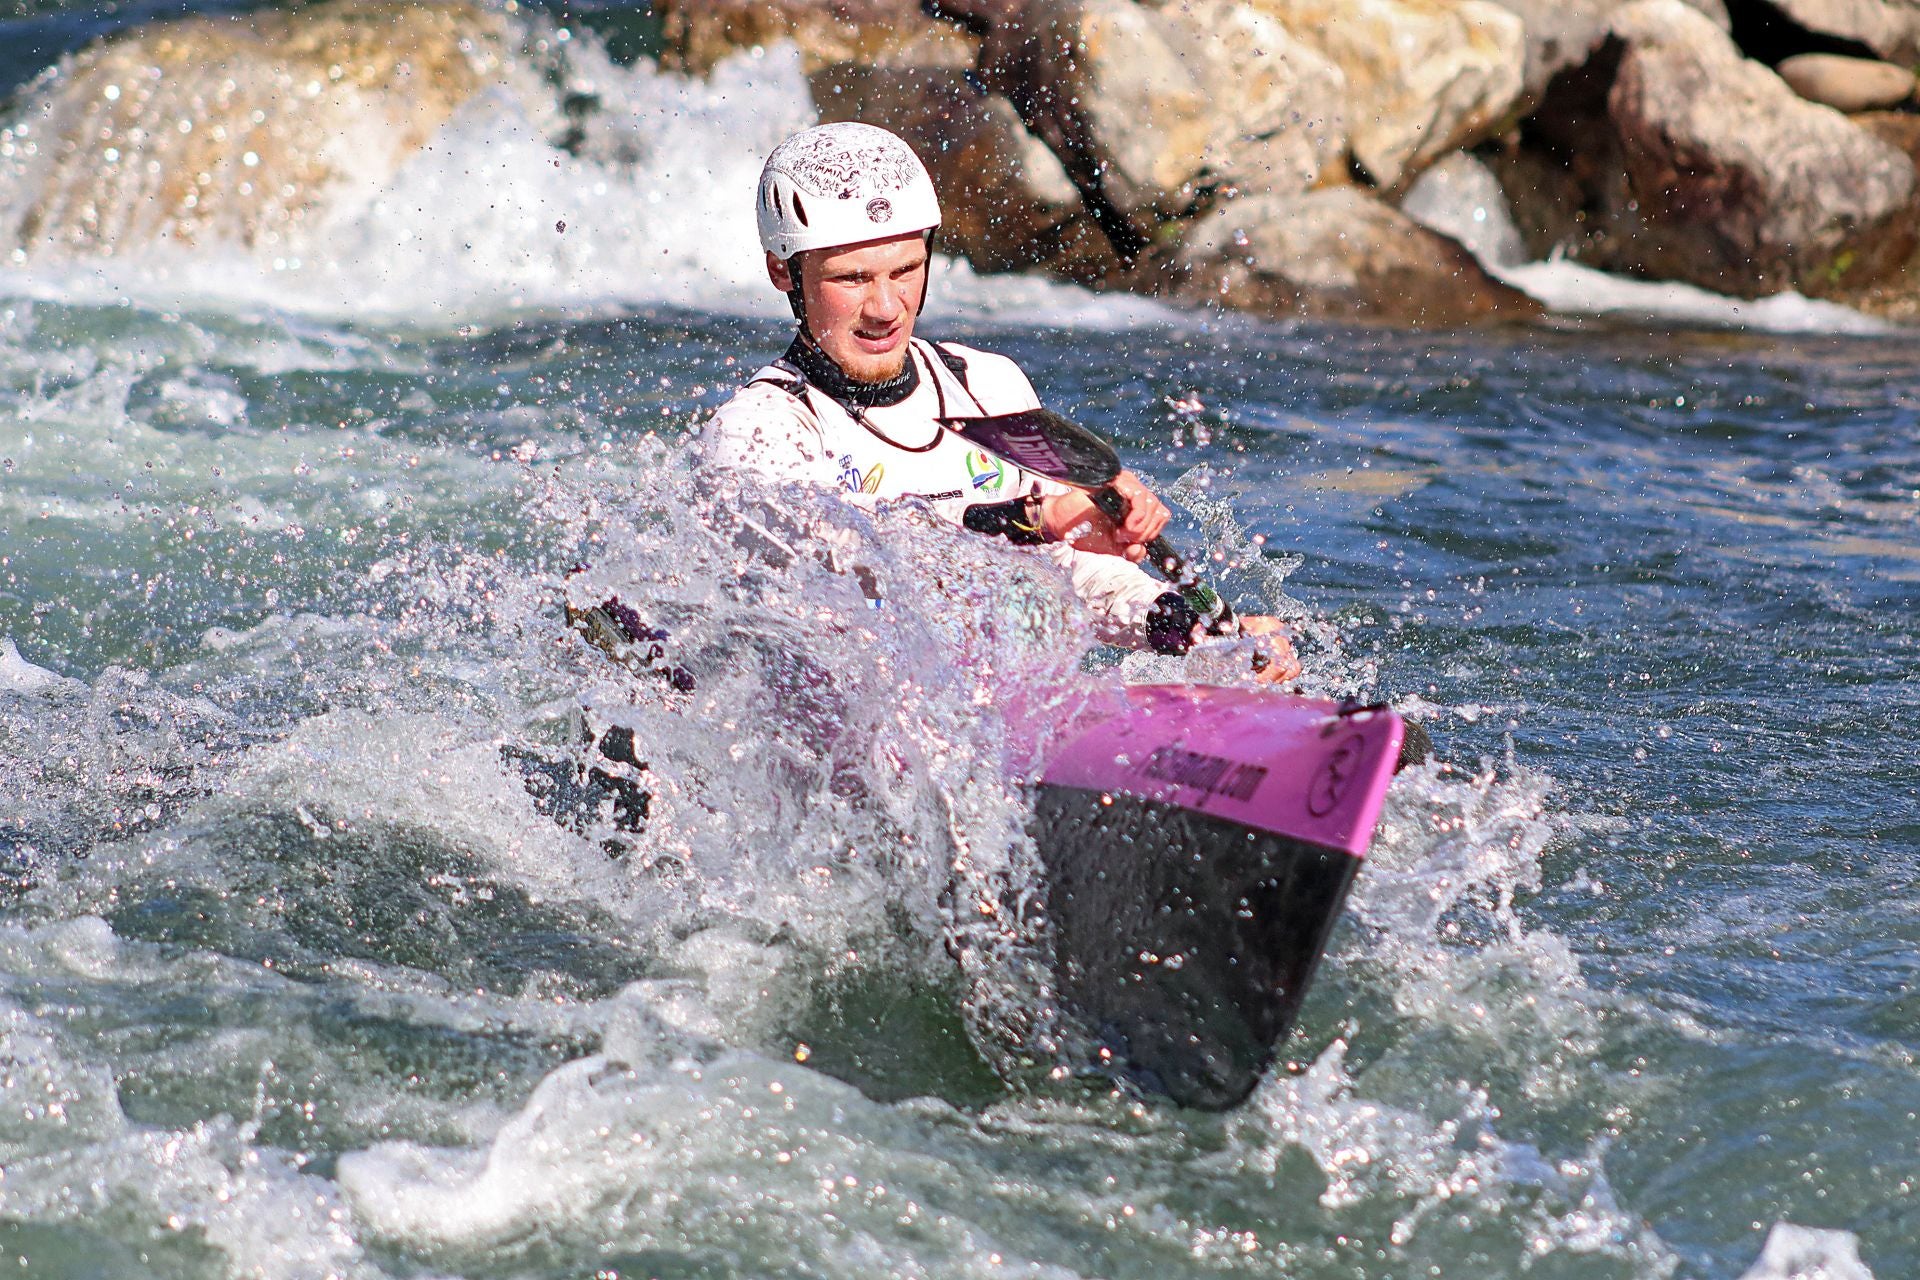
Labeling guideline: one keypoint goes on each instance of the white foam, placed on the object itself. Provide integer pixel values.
(71, 1155)
(773, 1169)
(1572, 289)
(17, 675)
(1808, 1253)
(1461, 197)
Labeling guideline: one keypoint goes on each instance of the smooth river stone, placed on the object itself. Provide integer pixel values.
(1847, 84)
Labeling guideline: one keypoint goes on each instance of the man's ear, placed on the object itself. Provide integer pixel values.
(778, 273)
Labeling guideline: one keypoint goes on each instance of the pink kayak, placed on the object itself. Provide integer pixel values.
(1199, 843)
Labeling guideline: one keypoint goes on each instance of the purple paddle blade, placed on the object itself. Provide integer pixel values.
(1044, 443)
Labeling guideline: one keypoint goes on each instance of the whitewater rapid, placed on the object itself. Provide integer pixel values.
(297, 980)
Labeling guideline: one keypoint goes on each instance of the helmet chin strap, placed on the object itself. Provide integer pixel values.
(796, 296)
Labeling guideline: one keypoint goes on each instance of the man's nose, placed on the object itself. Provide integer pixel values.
(886, 300)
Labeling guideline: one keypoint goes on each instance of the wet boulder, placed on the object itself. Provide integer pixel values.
(1423, 77)
(1890, 31)
(1006, 202)
(241, 129)
(1129, 98)
(1737, 184)
(1338, 253)
(1562, 34)
(698, 33)
(1847, 84)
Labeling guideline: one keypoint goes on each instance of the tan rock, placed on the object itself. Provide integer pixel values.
(699, 33)
(1897, 129)
(242, 129)
(1739, 184)
(1896, 295)
(1339, 253)
(1563, 34)
(1891, 30)
(1424, 77)
(1151, 109)
(1847, 84)
(1006, 203)
(1153, 93)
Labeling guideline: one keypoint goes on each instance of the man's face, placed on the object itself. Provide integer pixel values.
(862, 301)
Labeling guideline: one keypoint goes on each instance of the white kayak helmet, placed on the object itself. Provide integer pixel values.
(842, 184)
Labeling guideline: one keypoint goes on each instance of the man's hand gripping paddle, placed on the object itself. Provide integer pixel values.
(1055, 447)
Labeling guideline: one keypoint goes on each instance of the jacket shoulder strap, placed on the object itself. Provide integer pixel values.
(784, 376)
(955, 362)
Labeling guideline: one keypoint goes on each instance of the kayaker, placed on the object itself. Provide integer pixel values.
(847, 215)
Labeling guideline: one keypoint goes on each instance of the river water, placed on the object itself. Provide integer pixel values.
(296, 980)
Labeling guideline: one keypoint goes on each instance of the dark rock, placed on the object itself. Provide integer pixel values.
(1771, 30)
(1028, 54)
(1739, 185)
(1565, 34)
(1672, 157)
(1562, 169)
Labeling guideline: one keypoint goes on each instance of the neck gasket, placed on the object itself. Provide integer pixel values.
(819, 369)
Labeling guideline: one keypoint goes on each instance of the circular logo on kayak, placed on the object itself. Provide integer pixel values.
(1335, 776)
(879, 209)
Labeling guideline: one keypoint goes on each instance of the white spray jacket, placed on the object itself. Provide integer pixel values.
(782, 427)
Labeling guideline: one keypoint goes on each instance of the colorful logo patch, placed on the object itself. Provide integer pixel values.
(858, 482)
(988, 472)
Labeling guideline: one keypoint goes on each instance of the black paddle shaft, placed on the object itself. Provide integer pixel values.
(1173, 567)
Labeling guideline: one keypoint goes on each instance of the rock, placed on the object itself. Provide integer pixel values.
(1847, 84)
(1128, 98)
(1895, 296)
(1424, 77)
(1892, 31)
(242, 128)
(1562, 34)
(1006, 203)
(1338, 253)
(1737, 184)
(1280, 129)
(1896, 129)
(699, 33)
